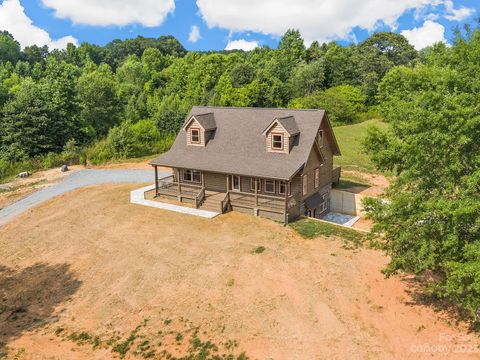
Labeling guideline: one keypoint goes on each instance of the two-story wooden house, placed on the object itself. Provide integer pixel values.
(276, 163)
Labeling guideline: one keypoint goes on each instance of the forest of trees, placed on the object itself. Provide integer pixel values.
(127, 98)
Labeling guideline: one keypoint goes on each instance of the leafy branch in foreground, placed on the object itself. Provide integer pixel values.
(429, 219)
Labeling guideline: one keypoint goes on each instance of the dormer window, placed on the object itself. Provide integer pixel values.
(195, 135)
(199, 129)
(281, 134)
(277, 141)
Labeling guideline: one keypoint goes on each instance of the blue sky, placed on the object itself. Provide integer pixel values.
(220, 24)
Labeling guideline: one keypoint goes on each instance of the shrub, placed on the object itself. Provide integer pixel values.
(129, 140)
(121, 140)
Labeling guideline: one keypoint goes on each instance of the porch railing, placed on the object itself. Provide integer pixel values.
(173, 188)
(199, 198)
(225, 203)
(278, 204)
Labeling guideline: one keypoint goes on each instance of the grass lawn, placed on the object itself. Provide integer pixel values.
(350, 138)
(310, 229)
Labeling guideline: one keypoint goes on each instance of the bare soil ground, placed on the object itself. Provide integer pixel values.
(90, 276)
(365, 183)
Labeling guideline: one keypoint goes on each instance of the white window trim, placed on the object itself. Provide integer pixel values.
(239, 183)
(192, 178)
(316, 179)
(284, 186)
(252, 184)
(304, 184)
(198, 136)
(265, 186)
(282, 141)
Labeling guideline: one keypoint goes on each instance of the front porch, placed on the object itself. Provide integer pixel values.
(206, 196)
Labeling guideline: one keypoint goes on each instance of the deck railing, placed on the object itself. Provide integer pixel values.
(174, 188)
(199, 198)
(260, 201)
(225, 203)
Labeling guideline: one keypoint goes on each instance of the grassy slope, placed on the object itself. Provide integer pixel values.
(350, 139)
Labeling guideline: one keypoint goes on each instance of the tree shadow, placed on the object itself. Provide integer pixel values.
(29, 296)
(420, 289)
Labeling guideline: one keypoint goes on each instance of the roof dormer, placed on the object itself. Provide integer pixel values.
(280, 134)
(199, 129)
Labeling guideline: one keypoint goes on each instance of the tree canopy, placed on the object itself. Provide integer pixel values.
(86, 91)
(430, 220)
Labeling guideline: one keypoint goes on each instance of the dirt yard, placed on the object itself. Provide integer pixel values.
(90, 276)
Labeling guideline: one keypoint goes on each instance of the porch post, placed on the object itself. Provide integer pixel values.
(203, 180)
(178, 182)
(256, 191)
(156, 180)
(287, 185)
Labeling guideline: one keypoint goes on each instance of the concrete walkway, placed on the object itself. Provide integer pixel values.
(74, 181)
(138, 197)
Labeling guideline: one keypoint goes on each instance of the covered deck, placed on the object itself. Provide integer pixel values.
(201, 196)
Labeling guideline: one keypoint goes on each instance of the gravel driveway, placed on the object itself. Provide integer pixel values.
(74, 181)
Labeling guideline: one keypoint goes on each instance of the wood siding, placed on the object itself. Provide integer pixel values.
(325, 164)
(286, 139)
(196, 125)
(216, 181)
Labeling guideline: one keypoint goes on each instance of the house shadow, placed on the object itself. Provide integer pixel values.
(29, 296)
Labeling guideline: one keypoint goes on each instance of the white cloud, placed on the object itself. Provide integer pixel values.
(457, 14)
(16, 22)
(194, 34)
(149, 13)
(321, 20)
(432, 16)
(241, 44)
(430, 33)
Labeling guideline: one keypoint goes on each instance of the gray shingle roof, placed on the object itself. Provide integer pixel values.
(289, 124)
(239, 147)
(207, 120)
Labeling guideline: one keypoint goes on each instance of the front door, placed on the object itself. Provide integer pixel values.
(234, 183)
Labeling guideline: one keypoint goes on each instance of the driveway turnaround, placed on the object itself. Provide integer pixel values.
(74, 181)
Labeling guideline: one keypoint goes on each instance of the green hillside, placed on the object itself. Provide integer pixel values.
(350, 139)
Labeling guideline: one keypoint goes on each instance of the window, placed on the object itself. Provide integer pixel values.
(270, 186)
(195, 136)
(317, 178)
(282, 186)
(252, 184)
(323, 206)
(304, 184)
(192, 176)
(320, 138)
(236, 183)
(277, 141)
